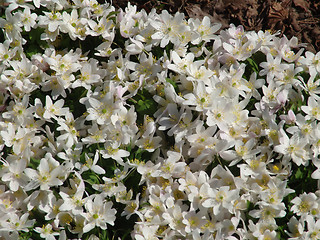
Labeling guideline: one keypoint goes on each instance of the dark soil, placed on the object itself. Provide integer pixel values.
(300, 18)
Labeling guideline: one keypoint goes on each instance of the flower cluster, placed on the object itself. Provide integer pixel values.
(150, 126)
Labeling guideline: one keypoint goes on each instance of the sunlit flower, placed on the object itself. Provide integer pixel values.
(293, 148)
(28, 19)
(47, 232)
(88, 76)
(312, 110)
(312, 61)
(273, 67)
(154, 119)
(50, 20)
(220, 199)
(99, 213)
(304, 203)
(52, 110)
(168, 28)
(11, 25)
(47, 174)
(14, 174)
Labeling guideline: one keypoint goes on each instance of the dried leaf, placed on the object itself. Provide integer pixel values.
(195, 11)
(302, 4)
(278, 11)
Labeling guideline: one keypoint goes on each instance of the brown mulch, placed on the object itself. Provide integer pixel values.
(300, 18)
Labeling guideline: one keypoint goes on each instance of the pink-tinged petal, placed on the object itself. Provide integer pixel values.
(291, 116)
(228, 47)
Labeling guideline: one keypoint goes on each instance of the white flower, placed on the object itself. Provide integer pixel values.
(14, 174)
(19, 78)
(174, 217)
(70, 22)
(192, 182)
(201, 97)
(304, 128)
(293, 148)
(96, 135)
(101, 28)
(295, 228)
(180, 65)
(273, 67)
(74, 202)
(313, 109)
(11, 134)
(52, 208)
(313, 232)
(204, 28)
(220, 113)
(267, 212)
(193, 221)
(64, 63)
(6, 52)
(18, 223)
(146, 233)
(312, 61)
(46, 232)
(47, 175)
(242, 151)
(105, 49)
(19, 111)
(69, 133)
(221, 198)
(198, 72)
(101, 111)
(135, 48)
(52, 110)
(202, 138)
(168, 28)
(312, 86)
(92, 164)
(99, 213)
(28, 19)
(50, 20)
(272, 235)
(146, 67)
(114, 152)
(131, 207)
(11, 25)
(87, 77)
(130, 20)
(239, 50)
(304, 203)
(149, 143)
(49, 36)
(171, 167)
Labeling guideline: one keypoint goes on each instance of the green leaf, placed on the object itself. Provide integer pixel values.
(91, 177)
(253, 65)
(174, 84)
(32, 50)
(34, 163)
(299, 174)
(144, 105)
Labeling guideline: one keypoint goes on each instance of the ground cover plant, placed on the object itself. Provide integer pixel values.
(123, 124)
(293, 18)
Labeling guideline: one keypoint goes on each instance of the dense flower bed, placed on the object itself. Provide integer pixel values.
(123, 124)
